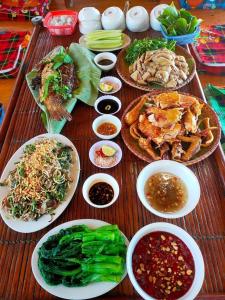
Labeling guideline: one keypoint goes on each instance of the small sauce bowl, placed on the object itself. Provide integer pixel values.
(107, 103)
(105, 55)
(114, 81)
(100, 177)
(106, 119)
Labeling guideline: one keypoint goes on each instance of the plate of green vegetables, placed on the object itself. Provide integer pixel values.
(80, 259)
(105, 40)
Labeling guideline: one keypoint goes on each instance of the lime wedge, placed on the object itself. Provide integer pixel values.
(108, 151)
(106, 87)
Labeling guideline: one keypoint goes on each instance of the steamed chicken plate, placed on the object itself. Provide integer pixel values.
(169, 126)
(161, 66)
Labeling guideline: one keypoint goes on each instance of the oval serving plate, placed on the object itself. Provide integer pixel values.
(123, 70)
(76, 293)
(45, 220)
(126, 43)
(207, 111)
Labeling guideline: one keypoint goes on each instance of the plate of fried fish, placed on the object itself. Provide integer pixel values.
(58, 81)
(170, 125)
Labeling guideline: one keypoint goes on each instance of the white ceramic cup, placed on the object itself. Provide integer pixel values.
(137, 19)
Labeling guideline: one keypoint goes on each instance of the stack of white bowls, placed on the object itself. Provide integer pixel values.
(137, 19)
(113, 18)
(89, 20)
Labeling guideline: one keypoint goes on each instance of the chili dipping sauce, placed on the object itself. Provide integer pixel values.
(163, 265)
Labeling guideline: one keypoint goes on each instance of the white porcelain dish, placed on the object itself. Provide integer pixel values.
(126, 43)
(100, 177)
(45, 220)
(190, 243)
(179, 170)
(76, 293)
(103, 119)
(103, 98)
(98, 146)
(116, 82)
(105, 55)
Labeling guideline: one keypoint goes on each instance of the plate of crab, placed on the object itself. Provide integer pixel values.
(170, 125)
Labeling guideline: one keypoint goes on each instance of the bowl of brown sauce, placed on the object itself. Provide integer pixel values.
(100, 190)
(168, 189)
(105, 61)
(106, 126)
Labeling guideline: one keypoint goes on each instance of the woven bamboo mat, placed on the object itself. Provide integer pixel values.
(206, 223)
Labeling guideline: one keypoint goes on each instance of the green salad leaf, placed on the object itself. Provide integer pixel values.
(138, 47)
(178, 22)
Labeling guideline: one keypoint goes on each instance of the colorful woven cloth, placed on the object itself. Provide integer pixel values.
(202, 4)
(22, 9)
(12, 49)
(216, 98)
(209, 50)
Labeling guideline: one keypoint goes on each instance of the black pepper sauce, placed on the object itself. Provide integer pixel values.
(101, 193)
(108, 106)
(166, 192)
(163, 265)
(105, 62)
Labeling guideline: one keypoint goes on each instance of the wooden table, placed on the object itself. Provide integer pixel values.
(206, 223)
(209, 17)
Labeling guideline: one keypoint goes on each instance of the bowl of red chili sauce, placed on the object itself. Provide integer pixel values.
(164, 262)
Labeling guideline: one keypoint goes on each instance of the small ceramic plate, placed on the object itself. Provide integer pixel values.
(126, 43)
(98, 145)
(76, 293)
(114, 81)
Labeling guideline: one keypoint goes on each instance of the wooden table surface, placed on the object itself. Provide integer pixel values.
(209, 17)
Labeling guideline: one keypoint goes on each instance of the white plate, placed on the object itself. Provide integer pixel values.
(98, 145)
(45, 220)
(190, 243)
(126, 43)
(76, 293)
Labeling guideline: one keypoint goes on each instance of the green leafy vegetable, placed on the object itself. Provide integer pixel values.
(138, 47)
(178, 22)
(78, 255)
(61, 58)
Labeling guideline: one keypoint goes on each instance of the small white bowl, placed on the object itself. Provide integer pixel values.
(105, 55)
(184, 173)
(98, 145)
(103, 98)
(116, 82)
(190, 243)
(100, 177)
(103, 119)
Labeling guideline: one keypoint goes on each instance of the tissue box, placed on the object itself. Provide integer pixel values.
(202, 4)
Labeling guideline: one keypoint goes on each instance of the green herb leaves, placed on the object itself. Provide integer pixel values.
(138, 47)
(61, 58)
(178, 22)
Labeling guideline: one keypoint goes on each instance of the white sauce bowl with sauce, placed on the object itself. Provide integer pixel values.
(179, 170)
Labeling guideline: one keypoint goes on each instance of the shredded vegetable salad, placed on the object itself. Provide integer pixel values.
(40, 180)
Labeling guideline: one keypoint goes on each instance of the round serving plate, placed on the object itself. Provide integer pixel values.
(123, 70)
(207, 111)
(76, 293)
(47, 219)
